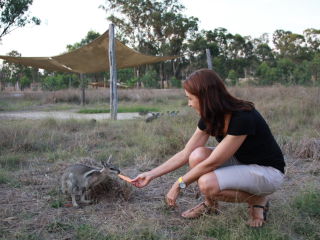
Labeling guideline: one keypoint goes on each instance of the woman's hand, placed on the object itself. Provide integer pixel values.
(142, 179)
(172, 195)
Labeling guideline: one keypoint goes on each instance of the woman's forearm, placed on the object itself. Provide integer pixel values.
(193, 174)
(175, 162)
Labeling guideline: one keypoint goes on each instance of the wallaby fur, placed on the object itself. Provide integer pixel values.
(79, 179)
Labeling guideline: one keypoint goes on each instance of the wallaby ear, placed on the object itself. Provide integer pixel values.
(109, 159)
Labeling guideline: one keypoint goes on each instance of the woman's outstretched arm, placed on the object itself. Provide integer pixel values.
(199, 138)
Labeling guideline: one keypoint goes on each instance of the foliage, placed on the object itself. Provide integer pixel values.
(233, 77)
(150, 79)
(14, 14)
(25, 82)
(16, 73)
(91, 35)
(126, 76)
(55, 82)
(175, 82)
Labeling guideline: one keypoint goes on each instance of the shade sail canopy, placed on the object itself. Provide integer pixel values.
(90, 58)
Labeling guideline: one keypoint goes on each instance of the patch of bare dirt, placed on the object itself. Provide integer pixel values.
(63, 115)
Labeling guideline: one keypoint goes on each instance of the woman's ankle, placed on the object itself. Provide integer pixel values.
(257, 200)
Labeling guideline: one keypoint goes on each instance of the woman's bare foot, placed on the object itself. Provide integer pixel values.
(258, 213)
(200, 210)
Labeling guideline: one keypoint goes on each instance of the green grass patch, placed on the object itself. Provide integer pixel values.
(27, 236)
(4, 177)
(86, 232)
(121, 110)
(57, 203)
(17, 104)
(308, 203)
(264, 233)
(306, 228)
(306, 223)
(58, 227)
(11, 162)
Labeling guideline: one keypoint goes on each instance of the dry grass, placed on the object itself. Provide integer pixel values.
(33, 155)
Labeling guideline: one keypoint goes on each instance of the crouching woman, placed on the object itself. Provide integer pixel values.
(246, 166)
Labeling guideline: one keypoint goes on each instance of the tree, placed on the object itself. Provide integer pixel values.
(291, 45)
(15, 72)
(315, 69)
(312, 37)
(267, 75)
(153, 27)
(91, 35)
(14, 14)
(285, 67)
(261, 49)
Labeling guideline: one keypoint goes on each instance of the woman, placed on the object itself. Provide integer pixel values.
(246, 165)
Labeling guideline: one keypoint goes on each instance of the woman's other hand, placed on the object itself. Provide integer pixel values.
(172, 195)
(142, 179)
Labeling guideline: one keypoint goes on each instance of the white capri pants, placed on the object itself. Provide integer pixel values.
(252, 178)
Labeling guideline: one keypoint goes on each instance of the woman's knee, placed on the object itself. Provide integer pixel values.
(198, 155)
(208, 184)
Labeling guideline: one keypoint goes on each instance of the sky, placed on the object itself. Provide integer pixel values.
(68, 21)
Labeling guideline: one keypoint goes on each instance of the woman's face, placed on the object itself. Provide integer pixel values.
(193, 101)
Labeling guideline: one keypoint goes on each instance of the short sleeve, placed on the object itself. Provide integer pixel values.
(242, 123)
(202, 125)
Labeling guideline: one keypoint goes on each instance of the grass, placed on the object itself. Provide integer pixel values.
(4, 177)
(59, 227)
(308, 203)
(11, 161)
(34, 153)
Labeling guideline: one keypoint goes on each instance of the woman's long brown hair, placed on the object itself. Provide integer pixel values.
(214, 99)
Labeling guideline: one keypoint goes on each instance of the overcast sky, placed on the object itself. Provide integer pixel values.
(68, 21)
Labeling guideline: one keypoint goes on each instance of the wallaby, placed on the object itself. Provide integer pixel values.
(79, 179)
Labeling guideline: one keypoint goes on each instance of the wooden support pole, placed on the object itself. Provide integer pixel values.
(113, 74)
(209, 59)
(83, 93)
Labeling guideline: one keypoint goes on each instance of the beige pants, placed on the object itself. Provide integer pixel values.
(252, 178)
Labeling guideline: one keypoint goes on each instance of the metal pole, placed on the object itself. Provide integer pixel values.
(209, 60)
(113, 74)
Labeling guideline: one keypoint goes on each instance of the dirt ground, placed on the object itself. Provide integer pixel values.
(29, 206)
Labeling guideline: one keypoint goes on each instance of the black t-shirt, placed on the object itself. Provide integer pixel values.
(259, 147)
